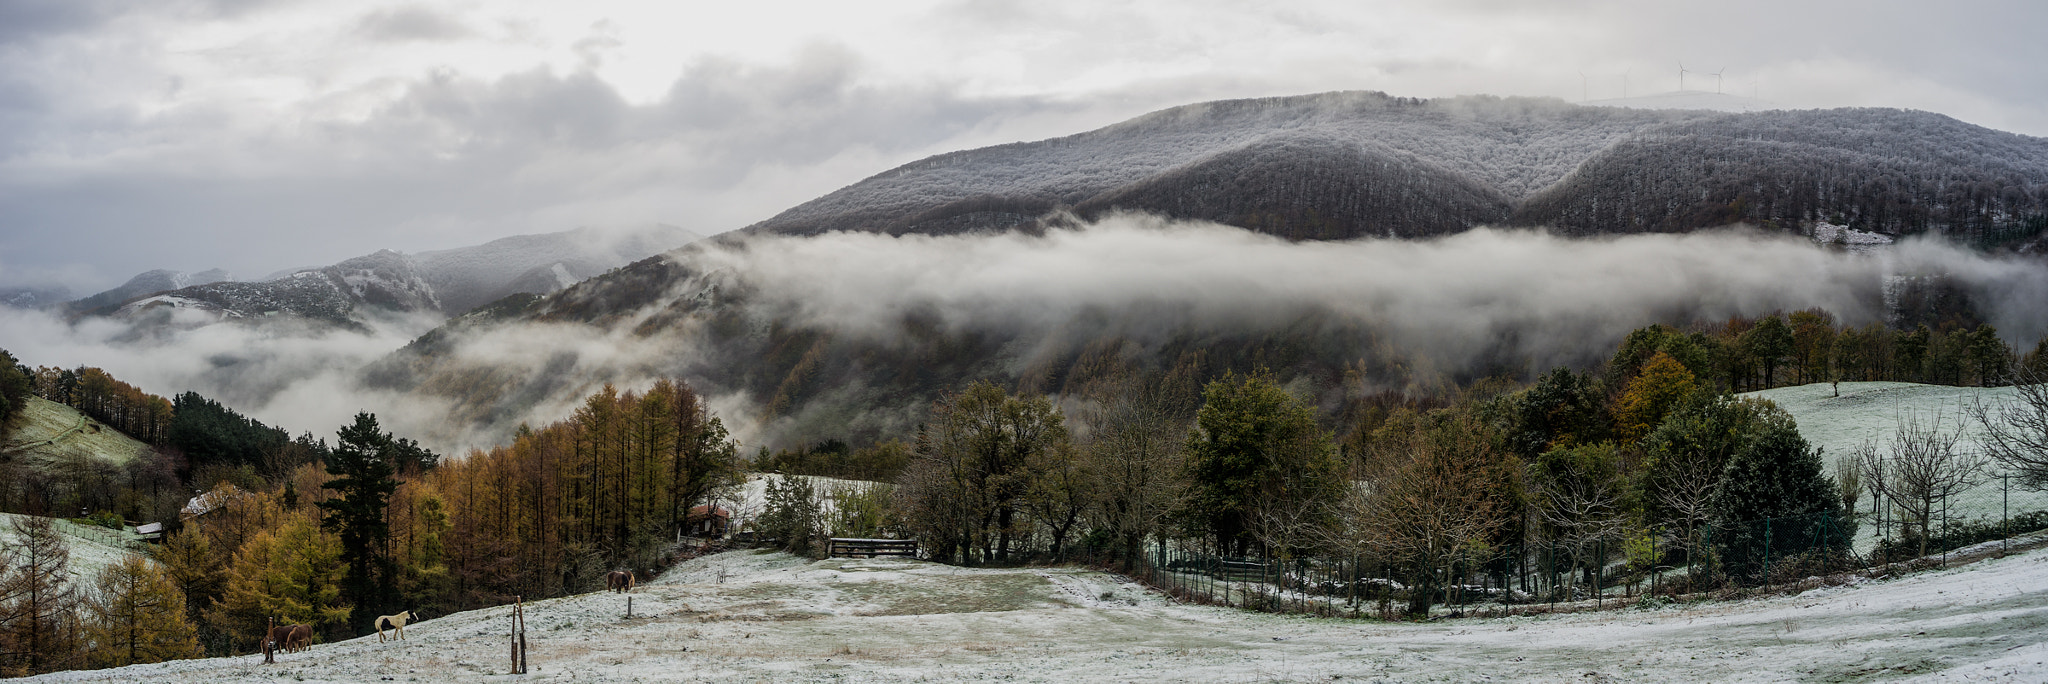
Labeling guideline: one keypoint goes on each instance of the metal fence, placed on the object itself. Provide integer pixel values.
(1541, 575)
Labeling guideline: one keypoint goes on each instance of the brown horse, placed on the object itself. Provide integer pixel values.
(275, 640)
(299, 638)
(619, 581)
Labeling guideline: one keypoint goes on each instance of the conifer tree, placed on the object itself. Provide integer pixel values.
(137, 615)
(363, 462)
(187, 558)
(1775, 499)
(36, 598)
(293, 574)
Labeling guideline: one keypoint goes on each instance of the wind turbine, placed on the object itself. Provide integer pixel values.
(1681, 77)
(1717, 80)
(1585, 88)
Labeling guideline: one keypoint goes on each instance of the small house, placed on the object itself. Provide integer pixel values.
(707, 520)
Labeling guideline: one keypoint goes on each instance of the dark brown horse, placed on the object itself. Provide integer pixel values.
(619, 581)
(298, 639)
(274, 640)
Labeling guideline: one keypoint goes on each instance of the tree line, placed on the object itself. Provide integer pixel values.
(1632, 462)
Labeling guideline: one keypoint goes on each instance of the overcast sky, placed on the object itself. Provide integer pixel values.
(257, 135)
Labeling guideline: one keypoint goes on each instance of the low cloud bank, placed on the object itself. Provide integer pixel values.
(1451, 301)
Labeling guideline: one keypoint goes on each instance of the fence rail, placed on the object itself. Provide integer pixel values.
(1544, 575)
(869, 548)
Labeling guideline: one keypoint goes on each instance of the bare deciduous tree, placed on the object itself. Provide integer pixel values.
(2016, 429)
(1133, 441)
(1428, 501)
(1921, 469)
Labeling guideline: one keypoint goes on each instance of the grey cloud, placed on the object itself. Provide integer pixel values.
(1444, 307)
(468, 160)
(410, 23)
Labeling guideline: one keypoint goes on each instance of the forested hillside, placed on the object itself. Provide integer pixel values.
(1351, 164)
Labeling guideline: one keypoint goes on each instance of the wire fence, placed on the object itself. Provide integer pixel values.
(1544, 575)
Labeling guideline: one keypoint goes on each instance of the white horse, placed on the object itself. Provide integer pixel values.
(396, 622)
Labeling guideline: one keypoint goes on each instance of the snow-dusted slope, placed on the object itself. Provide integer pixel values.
(746, 616)
(1350, 164)
(468, 277)
(1688, 99)
(150, 282)
(448, 281)
(1868, 413)
(1511, 146)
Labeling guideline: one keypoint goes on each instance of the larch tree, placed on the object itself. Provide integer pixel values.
(188, 560)
(137, 615)
(293, 573)
(37, 600)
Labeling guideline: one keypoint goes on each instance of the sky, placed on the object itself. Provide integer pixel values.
(260, 135)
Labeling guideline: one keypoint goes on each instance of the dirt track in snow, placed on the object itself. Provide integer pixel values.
(744, 616)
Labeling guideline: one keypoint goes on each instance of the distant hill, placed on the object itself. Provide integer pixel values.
(449, 281)
(1356, 164)
(739, 315)
(149, 283)
(49, 433)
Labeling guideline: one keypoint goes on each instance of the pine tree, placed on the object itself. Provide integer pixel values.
(363, 464)
(137, 615)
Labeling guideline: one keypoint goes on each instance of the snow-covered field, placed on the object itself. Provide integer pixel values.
(748, 616)
(91, 549)
(1869, 412)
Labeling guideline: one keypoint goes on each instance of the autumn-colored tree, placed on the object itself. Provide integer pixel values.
(293, 573)
(200, 575)
(1435, 491)
(423, 568)
(1661, 385)
(37, 600)
(137, 615)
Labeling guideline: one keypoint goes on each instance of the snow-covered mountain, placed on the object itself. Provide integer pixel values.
(148, 283)
(816, 326)
(448, 281)
(1350, 164)
(35, 296)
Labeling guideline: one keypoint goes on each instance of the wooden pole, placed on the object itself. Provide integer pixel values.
(522, 637)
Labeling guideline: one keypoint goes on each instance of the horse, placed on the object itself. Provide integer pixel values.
(619, 581)
(298, 638)
(274, 640)
(396, 622)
